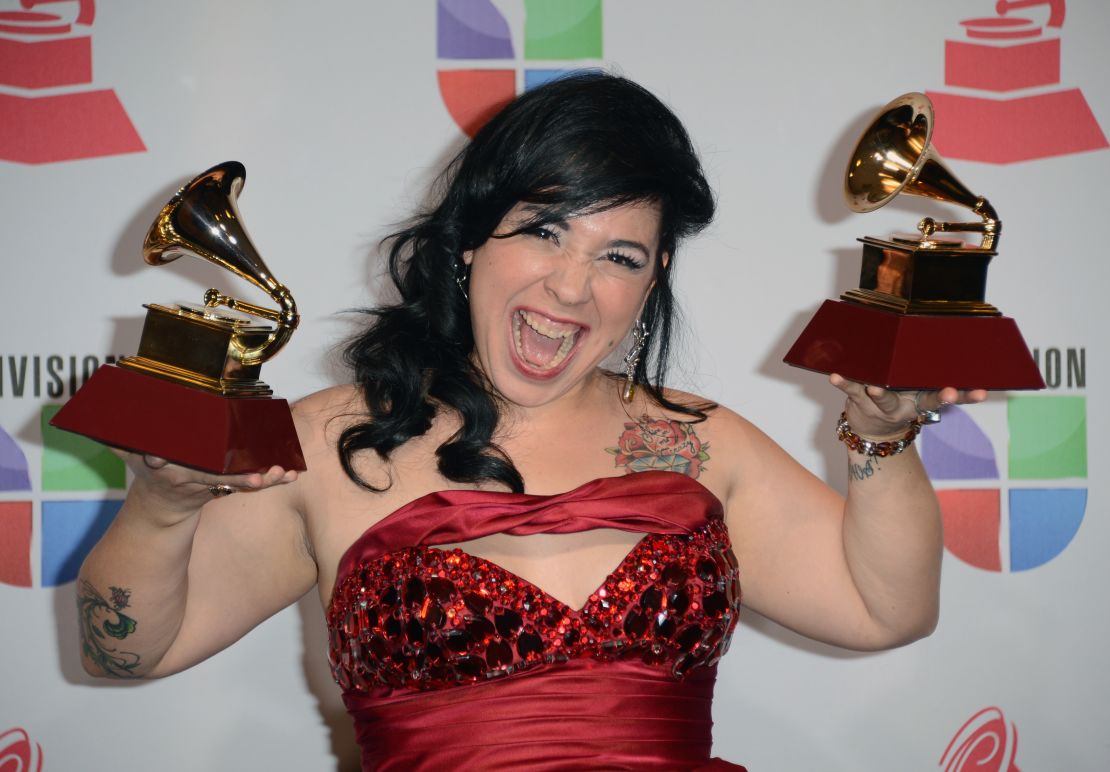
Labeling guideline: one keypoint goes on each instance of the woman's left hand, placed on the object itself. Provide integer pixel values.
(878, 414)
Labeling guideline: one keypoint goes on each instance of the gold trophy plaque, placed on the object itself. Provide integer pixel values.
(192, 394)
(919, 319)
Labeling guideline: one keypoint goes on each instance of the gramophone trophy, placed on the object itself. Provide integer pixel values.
(919, 319)
(192, 394)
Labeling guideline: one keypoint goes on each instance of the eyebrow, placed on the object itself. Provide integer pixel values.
(563, 225)
(631, 245)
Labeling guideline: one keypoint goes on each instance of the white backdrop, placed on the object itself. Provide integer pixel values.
(334, 109)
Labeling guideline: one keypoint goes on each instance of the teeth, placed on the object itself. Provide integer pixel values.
(541, 325)
(546, 328)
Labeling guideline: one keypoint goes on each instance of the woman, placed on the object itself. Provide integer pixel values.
(526, 560)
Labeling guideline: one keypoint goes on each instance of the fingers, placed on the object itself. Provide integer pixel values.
(167, 475)
(886, 409)
(885, 400)
(154, 462)
(273, 476)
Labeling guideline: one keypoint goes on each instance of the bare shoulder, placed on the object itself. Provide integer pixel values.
(729, 446)
(327, 403)
(321, 416)
(721, 422)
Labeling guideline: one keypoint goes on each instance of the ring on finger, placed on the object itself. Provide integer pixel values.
(927, 416)
(220, 490)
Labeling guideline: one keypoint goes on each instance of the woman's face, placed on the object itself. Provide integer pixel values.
(549, 304)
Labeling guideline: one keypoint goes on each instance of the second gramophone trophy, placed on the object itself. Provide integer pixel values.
(192, 394)
(919, 319)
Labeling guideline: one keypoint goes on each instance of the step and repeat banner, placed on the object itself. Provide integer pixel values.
(344, 111)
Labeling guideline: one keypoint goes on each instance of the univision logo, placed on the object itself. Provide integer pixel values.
(480, 34)
(1029, 516)
(71, 519)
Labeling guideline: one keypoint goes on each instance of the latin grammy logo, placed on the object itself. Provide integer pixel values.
(1000, 55)
(48, 110)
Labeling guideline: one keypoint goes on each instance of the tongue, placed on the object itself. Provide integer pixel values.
(538, 349)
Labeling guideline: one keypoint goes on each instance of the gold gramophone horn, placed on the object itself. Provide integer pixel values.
(894, 156)
(203, 220)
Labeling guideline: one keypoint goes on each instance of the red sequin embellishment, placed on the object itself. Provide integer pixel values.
(423, 618)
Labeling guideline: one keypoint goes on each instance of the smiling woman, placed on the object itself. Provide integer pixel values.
(548, 304)
(526, 562)
(585, 185)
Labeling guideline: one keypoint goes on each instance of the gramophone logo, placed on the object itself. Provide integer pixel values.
(985, 743)
(1027, 517)
(70, 519)
(48, 109)
(480, 68)
(1011, 106)
(18, 752)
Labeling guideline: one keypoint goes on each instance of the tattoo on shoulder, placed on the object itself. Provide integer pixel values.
(101, 621)
(865, 470)
(658, 444)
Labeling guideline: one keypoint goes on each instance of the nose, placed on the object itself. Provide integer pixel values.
(569, 281)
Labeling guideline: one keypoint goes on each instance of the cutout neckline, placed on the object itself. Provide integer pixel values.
(502, 505)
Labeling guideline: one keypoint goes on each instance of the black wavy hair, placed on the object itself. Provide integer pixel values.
(579, 144)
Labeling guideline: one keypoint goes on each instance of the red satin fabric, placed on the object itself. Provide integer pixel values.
(647, 502)
(581, 714)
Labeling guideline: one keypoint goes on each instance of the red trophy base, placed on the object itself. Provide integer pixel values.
(127, 409)
(915, 351)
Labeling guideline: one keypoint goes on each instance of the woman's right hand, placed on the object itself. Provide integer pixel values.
(172, 493)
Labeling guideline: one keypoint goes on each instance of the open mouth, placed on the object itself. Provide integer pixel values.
(542, 343)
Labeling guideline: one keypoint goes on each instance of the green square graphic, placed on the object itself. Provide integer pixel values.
(71, 462)
(562, 29)
(1048, 437)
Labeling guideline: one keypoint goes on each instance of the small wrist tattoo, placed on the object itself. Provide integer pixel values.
(865, 470)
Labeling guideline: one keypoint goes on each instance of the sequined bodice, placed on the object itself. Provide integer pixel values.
(405, 615)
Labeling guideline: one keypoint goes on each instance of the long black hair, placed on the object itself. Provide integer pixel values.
(579, 144)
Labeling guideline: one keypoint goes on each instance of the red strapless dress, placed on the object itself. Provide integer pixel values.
(448, 661)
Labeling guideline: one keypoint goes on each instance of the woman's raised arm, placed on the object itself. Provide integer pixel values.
(181, 574)
(861, 572)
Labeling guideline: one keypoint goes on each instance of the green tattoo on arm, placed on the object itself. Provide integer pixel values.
(101, 621)
(658, 444)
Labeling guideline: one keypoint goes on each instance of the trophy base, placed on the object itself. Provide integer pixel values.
(915, 351)
(132, 411)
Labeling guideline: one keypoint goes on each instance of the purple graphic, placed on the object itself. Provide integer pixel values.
(13, 466)
(957, 449)
(471, 29)
(1042, 523)
(70, 529)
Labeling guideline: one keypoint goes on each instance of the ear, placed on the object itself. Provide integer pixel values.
(665, 259)
(468, 257)
(647, 295)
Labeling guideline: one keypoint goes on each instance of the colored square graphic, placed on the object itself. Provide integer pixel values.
(1043, 523)
(70, 529)
(562, 29)
(972, 524)
(471, 29)
(1048, 437)
(539, 76)
(74, 463)
(14, 474)
(15, 543)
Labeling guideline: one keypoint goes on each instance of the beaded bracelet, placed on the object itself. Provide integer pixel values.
(882, 449)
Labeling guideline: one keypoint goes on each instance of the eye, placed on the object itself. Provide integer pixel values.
(543, 234)
(620, 258)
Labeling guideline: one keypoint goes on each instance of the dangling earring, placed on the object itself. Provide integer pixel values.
(632, 359)
(462, 277)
